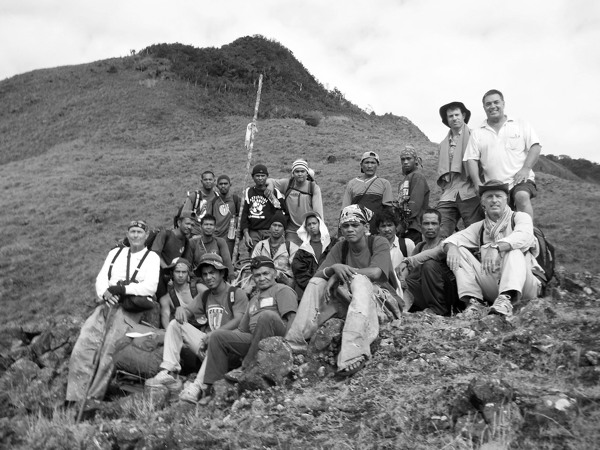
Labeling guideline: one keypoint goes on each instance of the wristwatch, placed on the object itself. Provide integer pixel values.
(495, 246)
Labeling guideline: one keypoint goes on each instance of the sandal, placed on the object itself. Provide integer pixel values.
(356, 366)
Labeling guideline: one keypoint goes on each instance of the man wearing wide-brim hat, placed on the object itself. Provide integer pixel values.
(459, 197)
(503, 273)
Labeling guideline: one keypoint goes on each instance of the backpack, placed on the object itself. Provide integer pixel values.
(290, 188)
(195, 206)
(545, 258)
(346, 246)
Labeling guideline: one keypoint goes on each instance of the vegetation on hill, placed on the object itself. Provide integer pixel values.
(584, 169)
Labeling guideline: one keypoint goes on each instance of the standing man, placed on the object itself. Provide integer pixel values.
(503, 272)
(353, 282)
(369, 190)
(259, 208)
(431, 284)
(225, 208)
(270, 312)
(459, 197)
(413, 194)
(197, 201)
(277, 248)
(506, 149)
(301, 196)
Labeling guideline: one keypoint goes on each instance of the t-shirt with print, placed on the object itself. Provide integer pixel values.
(279, 298)
(218, 311)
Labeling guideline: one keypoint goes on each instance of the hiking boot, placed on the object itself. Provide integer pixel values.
(234, 375)
(474, 311)
(191, 393)
(502, 305)
(164, 378)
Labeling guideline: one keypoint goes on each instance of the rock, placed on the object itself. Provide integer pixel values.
(19, 374)
(505, 418)
(573, 285)
(158, 396)
(482, 391)
(331, 159)
(273, 364)
(592, 357)
(328, 336)
(551, 410)
(224, 393)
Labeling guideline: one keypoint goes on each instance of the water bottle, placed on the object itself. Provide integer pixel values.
(231, 231)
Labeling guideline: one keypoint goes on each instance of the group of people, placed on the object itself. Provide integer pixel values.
(393, 254)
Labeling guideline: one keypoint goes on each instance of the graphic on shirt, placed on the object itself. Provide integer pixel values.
(224, 209)
(215, 316)
(257, 204)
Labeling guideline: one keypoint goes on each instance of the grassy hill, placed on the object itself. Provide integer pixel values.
(86, 148)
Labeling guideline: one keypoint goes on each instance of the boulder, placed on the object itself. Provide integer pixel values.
(273, 364)
(224, 393)
(483, 391)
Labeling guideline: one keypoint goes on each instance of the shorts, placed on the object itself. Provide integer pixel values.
(528, 186)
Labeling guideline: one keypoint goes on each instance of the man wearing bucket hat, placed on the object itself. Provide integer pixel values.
(301, 195)
(220, 307)
(270, 312)
(459, 197)
(355, 282)
(369, 190)
(260, 204)
(504, 270)
(506, 149)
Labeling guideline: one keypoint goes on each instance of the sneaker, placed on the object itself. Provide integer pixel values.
(164, 378)
(502, 305)
(476, 310)
(191, 393)
(234, 375)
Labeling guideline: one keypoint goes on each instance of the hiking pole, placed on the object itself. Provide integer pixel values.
(250, 131)
(107, 324)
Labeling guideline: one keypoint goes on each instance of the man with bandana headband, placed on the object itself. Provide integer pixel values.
(127, 271)
(221, 307)
(413, 194)
(504, 272)
(353, 282)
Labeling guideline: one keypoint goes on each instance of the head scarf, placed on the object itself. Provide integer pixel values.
(355, 213)
(409, 150)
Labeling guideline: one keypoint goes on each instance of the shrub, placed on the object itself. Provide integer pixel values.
(313, 118)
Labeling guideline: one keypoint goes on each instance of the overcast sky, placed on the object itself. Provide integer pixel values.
(407, 57)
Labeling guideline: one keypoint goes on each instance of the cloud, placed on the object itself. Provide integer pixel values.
(406, 57)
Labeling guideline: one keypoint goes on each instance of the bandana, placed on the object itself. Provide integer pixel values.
(409, 150)
(139, 224)
(299, 164)
(261, 261)
(355, 213)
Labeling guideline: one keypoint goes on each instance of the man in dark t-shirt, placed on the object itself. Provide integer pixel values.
(356, 271)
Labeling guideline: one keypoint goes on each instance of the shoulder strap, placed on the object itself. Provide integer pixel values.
(197, 200)
(344, 251)
(403, 247)
(289, 188)
(137, 269)
(369, 186)
(204, 300)
(173, 295)
(236, 203)
(193, 289)
(287, 246)
(112, 263)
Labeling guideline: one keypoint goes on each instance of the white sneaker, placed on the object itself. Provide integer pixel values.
(502, 305)
(190, 393)
(476, 310)
(164, 378)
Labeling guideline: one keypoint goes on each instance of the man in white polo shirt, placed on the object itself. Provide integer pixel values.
(506, 149)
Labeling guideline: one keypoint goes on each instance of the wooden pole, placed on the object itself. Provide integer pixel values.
(249, 148)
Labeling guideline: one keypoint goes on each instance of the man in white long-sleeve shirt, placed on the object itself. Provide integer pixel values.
(127, 271)
(507, 246)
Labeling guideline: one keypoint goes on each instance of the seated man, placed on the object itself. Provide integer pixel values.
(171, 244)
(213, 310)
(507, 246)
(316, 244)
(362, 264)
(431, 284)
(277, 248)
(180, 292)
(386, 225)
(127, 271)
(270, 312)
